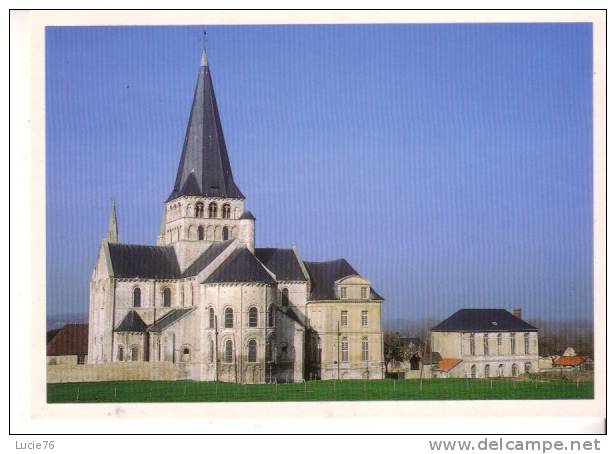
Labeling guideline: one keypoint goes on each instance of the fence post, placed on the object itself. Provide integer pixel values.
(77, 393)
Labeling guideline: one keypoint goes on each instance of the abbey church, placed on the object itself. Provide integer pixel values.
(214, 305)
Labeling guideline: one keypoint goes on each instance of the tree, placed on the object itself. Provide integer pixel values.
(394, 349)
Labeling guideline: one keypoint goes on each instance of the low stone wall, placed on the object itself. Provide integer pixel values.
(110, 372)
(417, 374)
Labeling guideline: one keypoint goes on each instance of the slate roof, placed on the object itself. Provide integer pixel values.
(169, 319)
(483, 320)
(132, 323)
(206, 258)
(241, 266)
(158, 262)
(323, 276)
(247, 215)
(147, 262)
(282, 262)
(204, 168)
(72, 339)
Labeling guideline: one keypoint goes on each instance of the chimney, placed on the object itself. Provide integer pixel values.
(517, 312)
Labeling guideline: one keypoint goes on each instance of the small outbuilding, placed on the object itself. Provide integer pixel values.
(69, 345)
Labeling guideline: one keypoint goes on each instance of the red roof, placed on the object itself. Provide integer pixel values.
(446, 364)
(569, 361)
(70, 340)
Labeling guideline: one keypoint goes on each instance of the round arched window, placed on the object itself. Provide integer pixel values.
(167, 297)
(252, 351)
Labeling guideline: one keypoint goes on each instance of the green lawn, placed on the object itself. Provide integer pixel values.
(433, 389)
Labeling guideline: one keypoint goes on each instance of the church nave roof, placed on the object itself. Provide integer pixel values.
(145, 262)
(132, 261)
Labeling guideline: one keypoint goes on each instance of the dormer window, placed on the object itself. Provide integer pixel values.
(343, 292)
(364, 293)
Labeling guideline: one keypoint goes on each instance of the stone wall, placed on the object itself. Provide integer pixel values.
(110, 372)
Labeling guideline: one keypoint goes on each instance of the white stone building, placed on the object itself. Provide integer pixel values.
(208, 301)
(484, 343)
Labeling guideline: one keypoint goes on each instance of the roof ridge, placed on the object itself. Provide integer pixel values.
(155, 246)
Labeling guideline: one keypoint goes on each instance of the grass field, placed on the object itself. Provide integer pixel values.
(433, 389)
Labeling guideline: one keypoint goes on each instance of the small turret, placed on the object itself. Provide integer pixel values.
(247, 230)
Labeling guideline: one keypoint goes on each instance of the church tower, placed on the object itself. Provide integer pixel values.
(205, 204)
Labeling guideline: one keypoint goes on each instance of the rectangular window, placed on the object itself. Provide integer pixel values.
(364, 349)
(364, 293)
(344, 318)
(343, 292)
(499, 342)
(486, 345)
(345, 350)
(526, 344)
(81, 359)
(512, 340)
(472, 344)
(364, 318)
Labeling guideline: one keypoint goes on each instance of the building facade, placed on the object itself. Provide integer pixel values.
(485, 343)
(207, 300)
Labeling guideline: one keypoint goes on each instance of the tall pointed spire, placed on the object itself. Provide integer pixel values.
(204, 168)
(112, 227)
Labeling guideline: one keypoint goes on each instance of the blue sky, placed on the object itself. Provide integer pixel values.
(450, 164)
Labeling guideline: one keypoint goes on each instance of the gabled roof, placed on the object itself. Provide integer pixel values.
(72, 339)
(147, 262)
(569, 361)
(282, 262)
(240, 266)
(169, 319)
(483, 320)
(323, 276)
(208, 256)
(158, 262)
(132, 323)
(204, 168)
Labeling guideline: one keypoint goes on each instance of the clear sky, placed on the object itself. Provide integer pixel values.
(449, 164)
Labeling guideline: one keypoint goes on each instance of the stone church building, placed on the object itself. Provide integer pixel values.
(206, 300)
